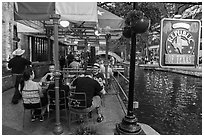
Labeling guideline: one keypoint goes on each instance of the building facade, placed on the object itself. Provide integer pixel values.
(37, 46)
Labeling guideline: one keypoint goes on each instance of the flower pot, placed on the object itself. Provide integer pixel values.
(138, 22)
(141, 26)
(127, 32)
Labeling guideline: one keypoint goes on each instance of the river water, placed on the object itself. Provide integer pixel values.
(170, 103)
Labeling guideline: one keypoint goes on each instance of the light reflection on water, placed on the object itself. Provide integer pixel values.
(170, 103)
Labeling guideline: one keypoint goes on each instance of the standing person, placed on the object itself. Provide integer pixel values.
(17, 66)
(62, 62)
(70, 58)
(48, 77)
(102, 67)
(112, 60)
(75, 63)
(93, 92)
(109, 75)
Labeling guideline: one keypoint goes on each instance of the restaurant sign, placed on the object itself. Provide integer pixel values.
(180, 39)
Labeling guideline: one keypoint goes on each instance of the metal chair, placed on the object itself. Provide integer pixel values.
(78, 106)
(63, 103)
(32, 101)
(70, 73)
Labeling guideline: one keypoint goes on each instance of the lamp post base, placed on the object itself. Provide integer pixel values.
(129, 126)
(58, 129)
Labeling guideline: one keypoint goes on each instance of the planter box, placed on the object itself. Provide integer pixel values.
(39, 68)
(7, 83)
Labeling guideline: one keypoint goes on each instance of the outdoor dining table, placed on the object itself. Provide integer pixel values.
(45, 85)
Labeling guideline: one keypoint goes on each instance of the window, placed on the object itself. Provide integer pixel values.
(39, 49)
(15, 37)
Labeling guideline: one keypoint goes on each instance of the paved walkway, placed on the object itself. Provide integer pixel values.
(12, 119)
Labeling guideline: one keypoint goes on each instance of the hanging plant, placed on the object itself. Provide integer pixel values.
(137, 21)
(127, 31)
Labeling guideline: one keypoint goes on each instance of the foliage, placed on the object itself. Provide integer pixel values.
(155, 11)
(133, 16)
(82, 130)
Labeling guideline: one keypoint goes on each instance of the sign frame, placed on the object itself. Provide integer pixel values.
(163, 39)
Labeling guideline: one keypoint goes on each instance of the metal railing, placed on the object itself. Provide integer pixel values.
(119, 74)
(70, 73)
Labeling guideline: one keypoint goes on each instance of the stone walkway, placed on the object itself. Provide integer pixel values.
(12, 119)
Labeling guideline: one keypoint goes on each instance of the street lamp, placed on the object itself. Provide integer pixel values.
(136, 23)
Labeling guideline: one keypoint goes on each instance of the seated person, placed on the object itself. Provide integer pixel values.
(97, 75)
(28, 88)
(75, 63)
(48, 77)
(61, 93)
(93, 92)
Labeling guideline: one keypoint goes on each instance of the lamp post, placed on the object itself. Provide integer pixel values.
(107, 36)
(137, 23)
(86, 53)
(107, 30)
(58, 127)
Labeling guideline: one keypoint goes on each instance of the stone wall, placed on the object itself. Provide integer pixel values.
(39, 68)
(7, 33)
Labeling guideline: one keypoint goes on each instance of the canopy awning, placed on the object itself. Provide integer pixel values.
(26, 29)
(70, 11)
(85, 17)
(73, 11)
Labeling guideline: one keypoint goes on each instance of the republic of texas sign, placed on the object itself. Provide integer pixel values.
(180, 40)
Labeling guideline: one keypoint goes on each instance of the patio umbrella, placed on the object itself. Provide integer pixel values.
(109, 23)
(108, 20)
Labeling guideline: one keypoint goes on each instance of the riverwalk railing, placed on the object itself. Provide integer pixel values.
(116, 80)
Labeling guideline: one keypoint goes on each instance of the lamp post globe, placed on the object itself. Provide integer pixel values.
(142, 25)
(135, 22)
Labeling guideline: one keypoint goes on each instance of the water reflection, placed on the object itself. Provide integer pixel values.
(170, 103)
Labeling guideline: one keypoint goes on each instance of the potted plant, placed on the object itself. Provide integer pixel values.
(136, 22)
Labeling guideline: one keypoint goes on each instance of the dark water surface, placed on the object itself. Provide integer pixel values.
(170, 103)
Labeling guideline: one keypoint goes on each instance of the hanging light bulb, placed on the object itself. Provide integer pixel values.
(64, 23)
(97, 33)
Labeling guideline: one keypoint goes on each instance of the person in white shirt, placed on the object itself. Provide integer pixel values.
(49, 76)
(75, 63)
